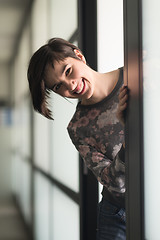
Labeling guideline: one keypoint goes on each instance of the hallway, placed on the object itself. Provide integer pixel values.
(11, 224)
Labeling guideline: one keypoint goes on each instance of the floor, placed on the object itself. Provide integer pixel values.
(11, 224)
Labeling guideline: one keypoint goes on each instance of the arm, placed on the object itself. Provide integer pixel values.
(108, 172)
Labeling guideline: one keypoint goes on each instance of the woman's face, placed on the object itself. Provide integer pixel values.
(71, 78)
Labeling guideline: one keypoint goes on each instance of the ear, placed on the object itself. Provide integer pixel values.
(80, 55)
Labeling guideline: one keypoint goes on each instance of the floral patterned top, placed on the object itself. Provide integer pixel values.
(98, 136)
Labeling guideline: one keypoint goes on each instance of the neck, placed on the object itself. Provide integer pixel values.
(104, 83)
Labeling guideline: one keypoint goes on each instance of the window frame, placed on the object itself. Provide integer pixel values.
(133, 77)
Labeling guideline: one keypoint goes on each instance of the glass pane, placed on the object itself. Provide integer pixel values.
(151, 98)
(65, 164)
(21, 184)
(41, 206)
(25, 125)
(65, 217)
(25, 190)
(20, 84)
(41, 141)
(40, 23)
(63, 18)
(110, 37)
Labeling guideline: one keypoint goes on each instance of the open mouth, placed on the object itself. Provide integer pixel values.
(81, 88)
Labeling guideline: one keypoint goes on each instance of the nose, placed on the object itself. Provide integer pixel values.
(71, 84)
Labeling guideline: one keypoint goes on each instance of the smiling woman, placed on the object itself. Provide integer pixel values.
(54, 51)
(64, 74)
(97, 126)
(70, 78)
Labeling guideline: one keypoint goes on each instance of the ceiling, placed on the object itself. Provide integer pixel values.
(12, 14)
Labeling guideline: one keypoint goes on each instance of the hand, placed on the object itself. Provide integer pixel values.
(123, 97)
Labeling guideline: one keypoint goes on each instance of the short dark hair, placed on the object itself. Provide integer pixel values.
(56, 49)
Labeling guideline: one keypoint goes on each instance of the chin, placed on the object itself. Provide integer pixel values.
(89, 96)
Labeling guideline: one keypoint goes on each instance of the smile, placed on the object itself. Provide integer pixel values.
(80, 88)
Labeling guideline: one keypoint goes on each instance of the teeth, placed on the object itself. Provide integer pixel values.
(80, 90)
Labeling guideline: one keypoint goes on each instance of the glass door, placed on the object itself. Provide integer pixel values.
(151, 115)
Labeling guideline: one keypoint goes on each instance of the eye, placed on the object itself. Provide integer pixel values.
(68, 71)
(57, 87)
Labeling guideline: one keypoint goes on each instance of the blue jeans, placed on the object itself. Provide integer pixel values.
(111, 222)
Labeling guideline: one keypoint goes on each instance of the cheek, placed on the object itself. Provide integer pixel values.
(77, 73)
(63, 92)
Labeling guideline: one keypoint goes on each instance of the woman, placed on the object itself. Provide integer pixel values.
(96, 128)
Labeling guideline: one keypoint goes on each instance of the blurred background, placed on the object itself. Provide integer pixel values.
(46, 192)
(41, 189)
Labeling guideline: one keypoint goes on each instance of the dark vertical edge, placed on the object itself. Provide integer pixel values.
(125, 79)
(87, 42)
(88, 203)
(134, 121)
(82, 202)
(87, 30)
(126, 123)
